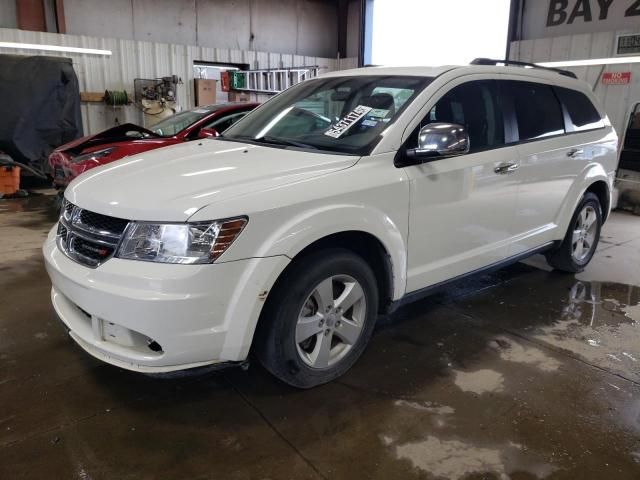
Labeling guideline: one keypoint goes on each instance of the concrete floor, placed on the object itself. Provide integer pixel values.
(521, 374)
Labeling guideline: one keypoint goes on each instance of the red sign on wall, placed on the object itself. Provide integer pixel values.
(616, 78)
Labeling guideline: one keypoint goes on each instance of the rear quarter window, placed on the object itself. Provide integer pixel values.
(582, 113)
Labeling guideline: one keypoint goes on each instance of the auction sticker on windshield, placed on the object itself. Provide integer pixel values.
(348, 121)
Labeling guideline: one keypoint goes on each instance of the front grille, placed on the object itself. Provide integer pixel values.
(67, 208)
(102, 223)
(87, 237)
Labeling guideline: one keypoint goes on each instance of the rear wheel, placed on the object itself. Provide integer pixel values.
(318, 319)
(581, 239)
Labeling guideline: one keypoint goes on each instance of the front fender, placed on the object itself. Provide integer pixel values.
(305, 228)
(592, 173)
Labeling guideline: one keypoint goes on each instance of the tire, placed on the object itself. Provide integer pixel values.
(302, 338)
(568, 257)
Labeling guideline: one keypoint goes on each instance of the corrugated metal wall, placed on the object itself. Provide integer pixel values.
(617, 99)
(136, 59)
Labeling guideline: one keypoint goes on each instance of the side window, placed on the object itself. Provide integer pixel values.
(475, 106)
(537, 110)
(582, 113)
(400, 95)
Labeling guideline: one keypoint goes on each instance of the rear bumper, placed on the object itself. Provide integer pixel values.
(151, 317)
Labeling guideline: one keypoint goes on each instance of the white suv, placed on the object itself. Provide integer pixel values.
(331, 204)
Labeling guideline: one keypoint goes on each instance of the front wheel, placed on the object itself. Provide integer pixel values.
(581, 240)
(318, 319)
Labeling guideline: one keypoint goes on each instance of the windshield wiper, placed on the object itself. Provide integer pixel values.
(283, 141)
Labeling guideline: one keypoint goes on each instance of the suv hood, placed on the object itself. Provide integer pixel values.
(172, 183)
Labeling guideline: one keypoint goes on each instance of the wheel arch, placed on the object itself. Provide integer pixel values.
(600, 189)
(345, 225)
(361, 243)
(367, 232)
(593, 179)
(366, 246)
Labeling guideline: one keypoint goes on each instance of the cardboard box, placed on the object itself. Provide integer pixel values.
(235, 96)
(205, 91)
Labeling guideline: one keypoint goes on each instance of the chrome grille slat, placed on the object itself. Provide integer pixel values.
(87, 237)
(94, 238)
(93, 231)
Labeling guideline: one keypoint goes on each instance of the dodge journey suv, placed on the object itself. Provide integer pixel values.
(328, 206)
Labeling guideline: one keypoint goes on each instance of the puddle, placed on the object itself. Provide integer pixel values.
(457, 460)
(451, 459)
(480, 381)
(24, 225)
(599, 322)
(429, 407)
(512, 351)
(36, 202)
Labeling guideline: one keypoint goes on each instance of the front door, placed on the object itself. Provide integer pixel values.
(462, 208)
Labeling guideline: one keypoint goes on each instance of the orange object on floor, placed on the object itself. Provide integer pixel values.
(9, 180)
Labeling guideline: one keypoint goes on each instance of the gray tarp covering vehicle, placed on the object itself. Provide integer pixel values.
(40, 107)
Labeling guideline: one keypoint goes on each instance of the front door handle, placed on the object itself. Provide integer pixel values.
(506, 168)
(574, 152)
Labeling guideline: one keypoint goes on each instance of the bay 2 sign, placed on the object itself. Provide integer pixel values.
(616, 78)
(553, 18)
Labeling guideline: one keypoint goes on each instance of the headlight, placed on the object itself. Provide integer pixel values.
(179, 243)
(93, 155)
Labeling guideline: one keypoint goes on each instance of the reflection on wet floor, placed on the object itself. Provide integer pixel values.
(521, 374)
(596, 321)
(24, 224)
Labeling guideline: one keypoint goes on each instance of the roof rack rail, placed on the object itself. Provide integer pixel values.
(489, 61)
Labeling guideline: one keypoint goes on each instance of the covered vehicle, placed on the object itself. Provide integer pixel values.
(40, 108)
(74, 158)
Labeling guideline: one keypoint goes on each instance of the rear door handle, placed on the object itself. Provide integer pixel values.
(504, 168)
(574, 152)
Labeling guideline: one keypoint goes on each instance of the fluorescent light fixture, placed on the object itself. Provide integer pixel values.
(592, 61)
(53, 48)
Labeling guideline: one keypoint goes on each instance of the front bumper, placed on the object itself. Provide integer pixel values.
(152, 317)
(63, 170)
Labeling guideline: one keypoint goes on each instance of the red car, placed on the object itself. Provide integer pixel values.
(72, 159)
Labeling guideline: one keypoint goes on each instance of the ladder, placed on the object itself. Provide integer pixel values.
(270, 80)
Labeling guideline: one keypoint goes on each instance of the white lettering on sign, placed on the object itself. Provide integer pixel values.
(616, 78)
(348, 121)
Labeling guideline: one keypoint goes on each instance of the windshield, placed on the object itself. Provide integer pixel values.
(176, 123)
(339, 114)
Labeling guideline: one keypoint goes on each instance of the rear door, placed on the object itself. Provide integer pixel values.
(550, 158)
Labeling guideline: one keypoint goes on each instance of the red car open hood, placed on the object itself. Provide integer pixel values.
(111, 135)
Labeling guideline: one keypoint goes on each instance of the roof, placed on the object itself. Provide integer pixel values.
(214, 107)
(414, 71)
(536, 73)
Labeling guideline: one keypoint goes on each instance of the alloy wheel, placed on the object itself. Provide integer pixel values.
(584, 234)
(330, 321)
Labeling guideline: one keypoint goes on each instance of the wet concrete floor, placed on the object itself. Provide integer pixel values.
(521, 374)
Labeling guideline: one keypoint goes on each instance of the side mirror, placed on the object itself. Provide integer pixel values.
(439, 140)
(208, 133)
